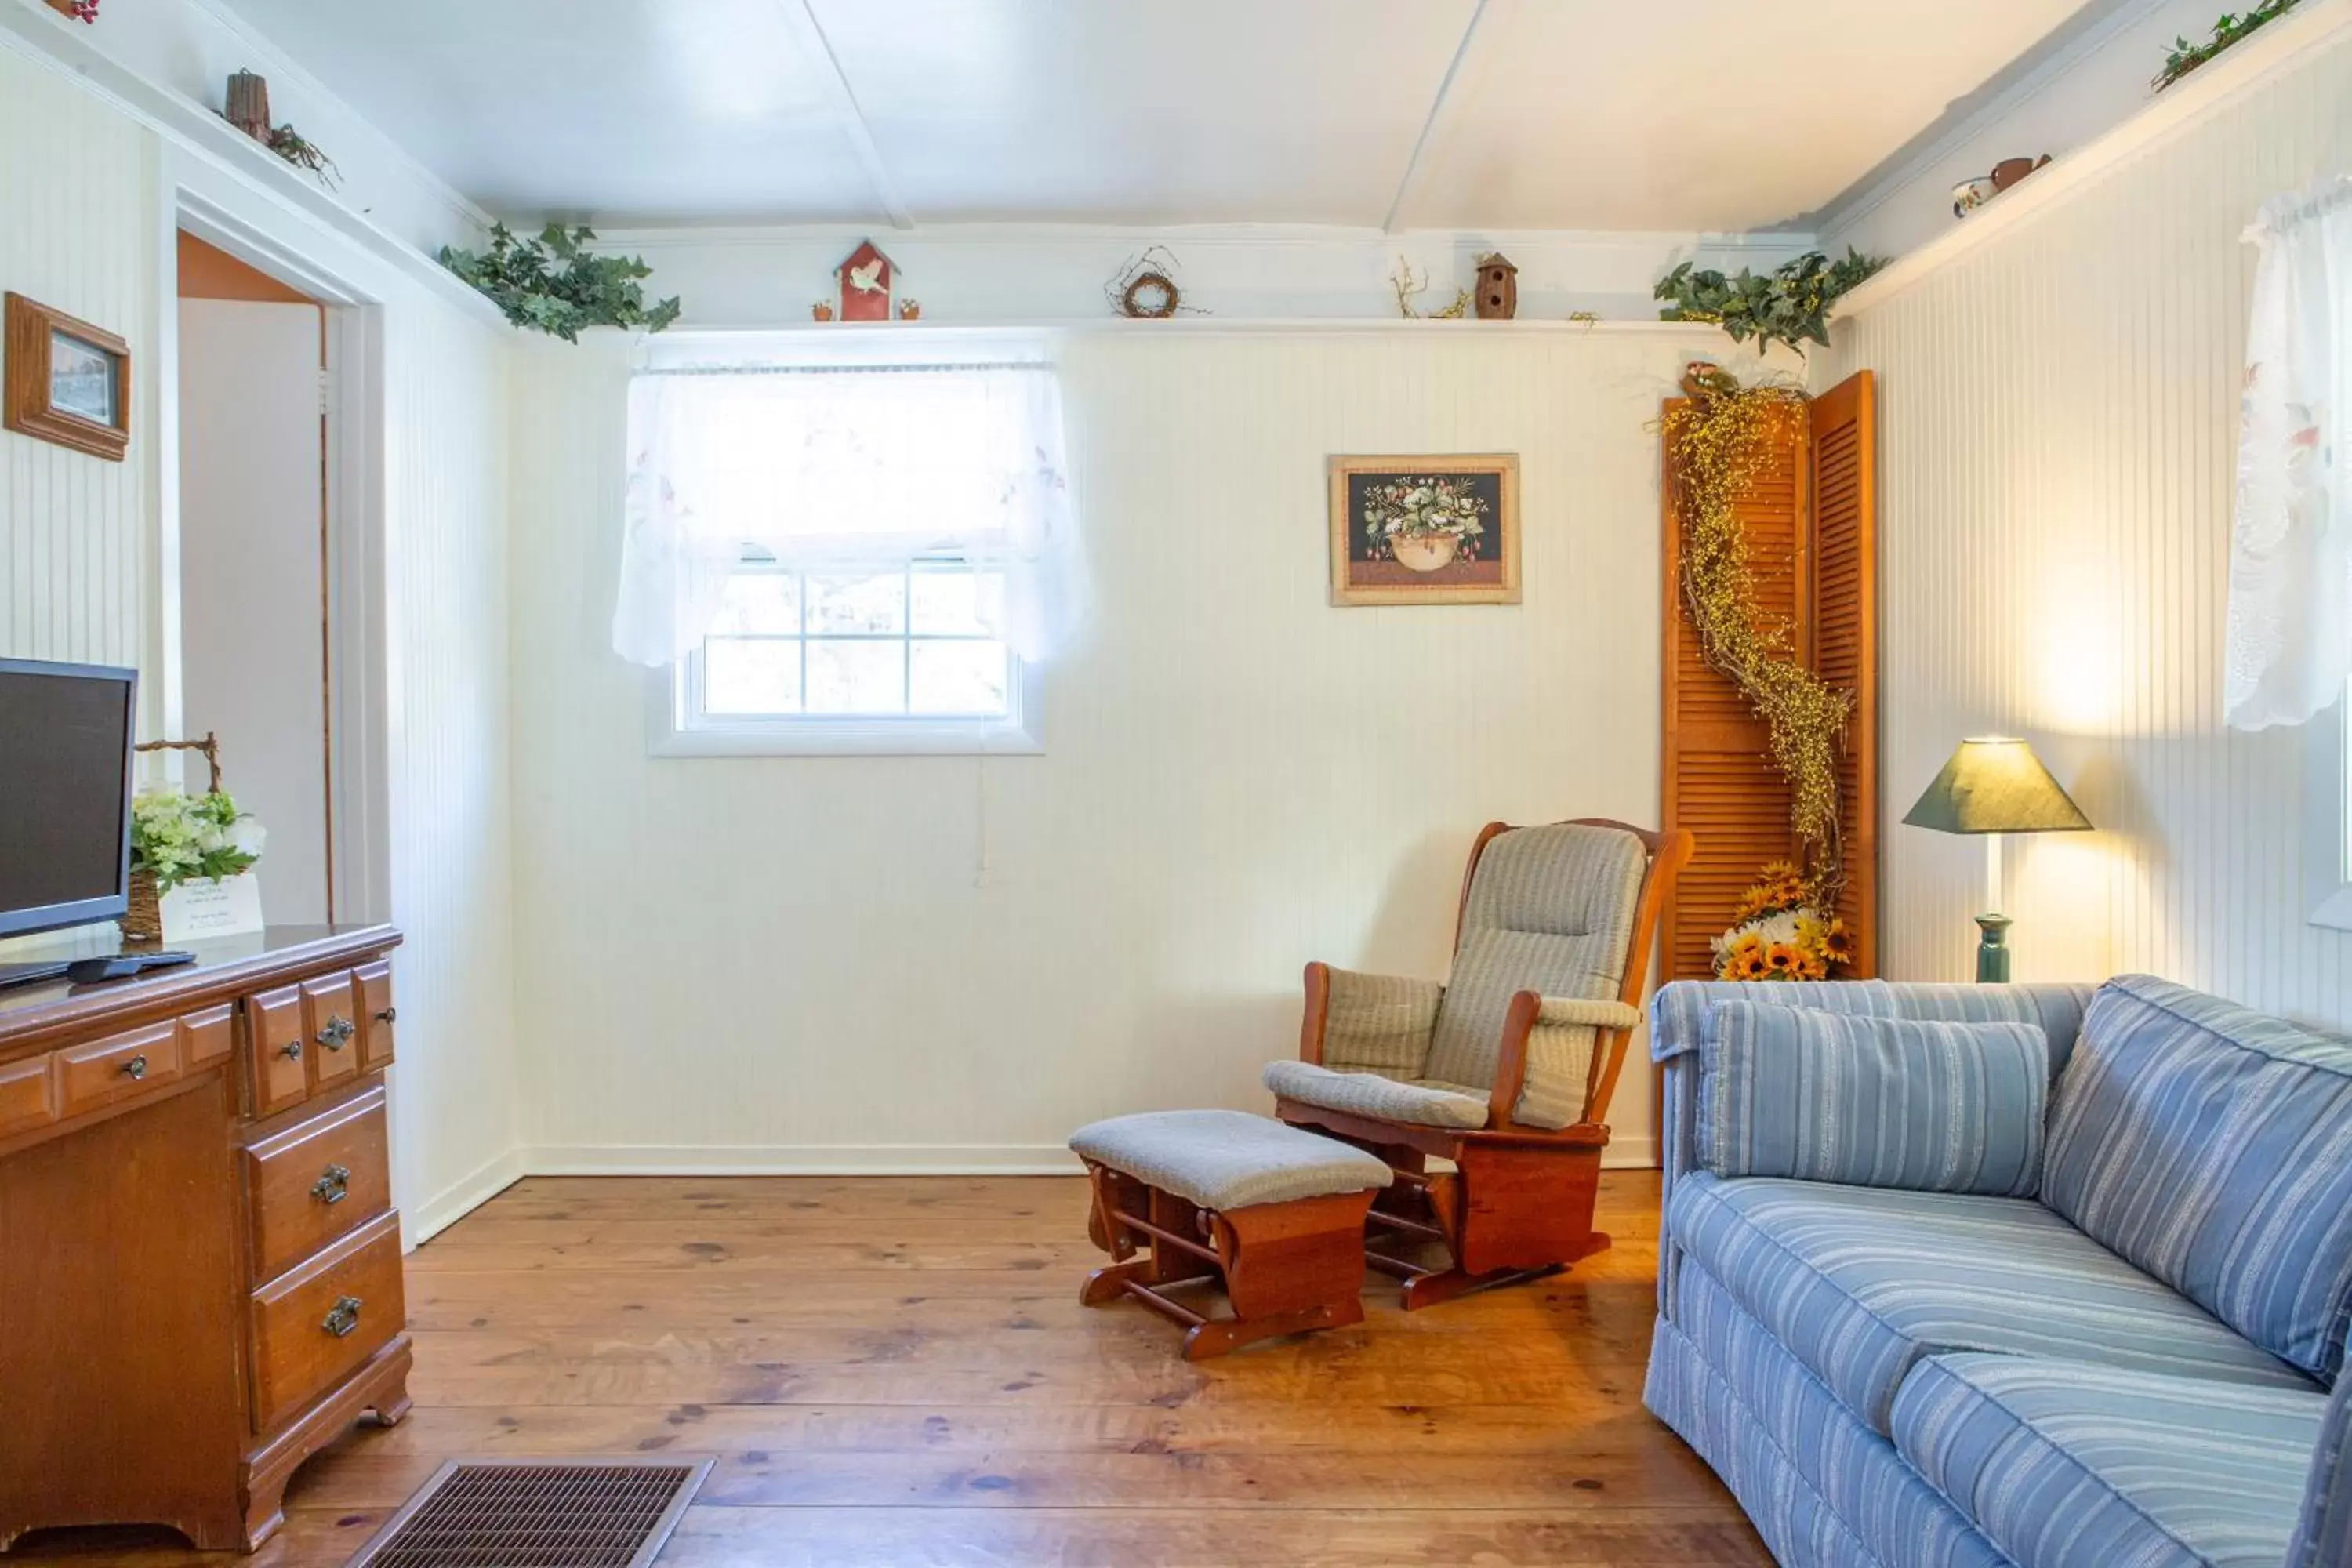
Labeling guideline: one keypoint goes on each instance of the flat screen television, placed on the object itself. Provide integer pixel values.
(66, 734)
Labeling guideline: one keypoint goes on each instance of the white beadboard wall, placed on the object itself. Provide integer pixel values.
(871, 964)
(77, 221)
(77, 231)
(456, 1097)
(81, 211)
(2059, 426)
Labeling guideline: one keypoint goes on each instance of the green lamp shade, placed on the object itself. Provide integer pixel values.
(1996, 786)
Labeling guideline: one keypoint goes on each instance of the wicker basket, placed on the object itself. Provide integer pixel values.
(142, 922)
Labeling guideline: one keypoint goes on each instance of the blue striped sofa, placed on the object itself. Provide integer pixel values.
(2136, 1365)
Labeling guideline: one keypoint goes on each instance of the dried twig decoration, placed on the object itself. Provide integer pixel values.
(1409, 288)
(1718, 444)
(1145, 289)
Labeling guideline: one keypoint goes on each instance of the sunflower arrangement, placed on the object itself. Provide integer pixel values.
(1782, 930)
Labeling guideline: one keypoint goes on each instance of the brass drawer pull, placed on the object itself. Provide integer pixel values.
(338, 1032)
(343, 1317)
(136, 1068)
(334, 1186)
(388, 1016)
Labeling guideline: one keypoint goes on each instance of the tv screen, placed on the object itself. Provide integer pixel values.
(65, 780)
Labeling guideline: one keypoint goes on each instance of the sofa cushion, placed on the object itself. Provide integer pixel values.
(1422, 1102)
(2212, 1146)
(2063, 1464)
(1860, 1282)
(1927, 1105)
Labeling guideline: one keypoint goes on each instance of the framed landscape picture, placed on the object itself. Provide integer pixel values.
(65, 380)
(1425, 531)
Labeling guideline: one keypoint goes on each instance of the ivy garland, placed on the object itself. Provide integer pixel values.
(1718, 445)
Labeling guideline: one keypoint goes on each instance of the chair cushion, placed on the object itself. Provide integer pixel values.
(1421, 1102)
(1227, 1160)
(1550, 910)
(2212, 1146)
(1873, 1102)
(2062, 1464)
(1861, 1282)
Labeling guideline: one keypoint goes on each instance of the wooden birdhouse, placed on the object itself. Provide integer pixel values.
(866, 280)
(1498, 288)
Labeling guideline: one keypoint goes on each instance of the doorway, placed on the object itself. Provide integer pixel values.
(256, 552)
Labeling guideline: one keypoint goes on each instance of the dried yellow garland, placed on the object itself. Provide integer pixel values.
(1718, 444)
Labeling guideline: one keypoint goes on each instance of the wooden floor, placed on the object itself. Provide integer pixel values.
(897, 1372)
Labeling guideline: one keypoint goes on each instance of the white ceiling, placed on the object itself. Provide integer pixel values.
(1710, 115)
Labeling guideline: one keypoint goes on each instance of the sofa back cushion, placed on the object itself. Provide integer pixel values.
(1928, 1106)
(2211, 1146)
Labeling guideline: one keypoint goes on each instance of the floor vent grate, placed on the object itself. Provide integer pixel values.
(538, 1513)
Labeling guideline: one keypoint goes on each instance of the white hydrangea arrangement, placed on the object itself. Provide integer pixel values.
(176, 836)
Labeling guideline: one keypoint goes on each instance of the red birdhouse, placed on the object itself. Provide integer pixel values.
(866, 280)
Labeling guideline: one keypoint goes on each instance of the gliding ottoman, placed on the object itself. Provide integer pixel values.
(1219, 1197)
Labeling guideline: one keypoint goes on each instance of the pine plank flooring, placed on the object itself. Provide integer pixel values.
(897, 1372)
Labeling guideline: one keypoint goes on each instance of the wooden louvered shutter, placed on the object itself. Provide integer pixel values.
(1812, 521)
(1717, 774)
(1845, 630)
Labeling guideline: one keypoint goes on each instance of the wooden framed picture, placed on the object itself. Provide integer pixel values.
(65, 380)
(1425, 531)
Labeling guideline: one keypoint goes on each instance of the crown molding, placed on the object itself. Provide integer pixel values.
(2219, 85)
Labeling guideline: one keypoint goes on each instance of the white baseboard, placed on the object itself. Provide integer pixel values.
(460, 1198)
(866, 1158)
(800, 1159)
(463, 1196)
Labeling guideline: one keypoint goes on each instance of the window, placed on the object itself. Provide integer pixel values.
(848, 661)
(850, 556)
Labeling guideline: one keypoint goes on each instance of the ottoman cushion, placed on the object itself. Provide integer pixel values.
(1228, 1159)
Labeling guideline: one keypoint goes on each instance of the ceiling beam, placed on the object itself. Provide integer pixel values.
(1428, 125)
(800, 15)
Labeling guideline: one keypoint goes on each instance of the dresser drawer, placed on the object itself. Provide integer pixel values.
(330, 1025)
(275, 1063)
(110, 1069)
(207, 1036)
(377, 1015)
(28, 1095)
(315, 1182)
(317, 1325)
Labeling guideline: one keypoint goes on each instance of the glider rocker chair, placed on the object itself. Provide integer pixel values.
(1506, 1070)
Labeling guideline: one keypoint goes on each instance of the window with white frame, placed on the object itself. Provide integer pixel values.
(847, 558)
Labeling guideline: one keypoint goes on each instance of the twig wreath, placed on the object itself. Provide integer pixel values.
(1718, 445)
(1145, 289)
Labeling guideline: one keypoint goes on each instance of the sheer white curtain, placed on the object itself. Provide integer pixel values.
(863, 468)
(2290, 629)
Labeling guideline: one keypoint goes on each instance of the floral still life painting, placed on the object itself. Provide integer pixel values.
(1425, 531)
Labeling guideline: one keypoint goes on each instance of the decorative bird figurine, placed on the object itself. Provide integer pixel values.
(867, 278)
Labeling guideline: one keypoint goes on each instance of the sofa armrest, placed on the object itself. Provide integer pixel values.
(1369, 1022)
(2323, 1535)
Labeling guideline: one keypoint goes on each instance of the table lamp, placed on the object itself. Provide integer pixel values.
(1995, 785)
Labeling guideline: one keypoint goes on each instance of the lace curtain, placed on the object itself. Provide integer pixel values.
(2290, 629)
(847, 468)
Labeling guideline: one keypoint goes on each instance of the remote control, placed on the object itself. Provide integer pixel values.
(123, 965)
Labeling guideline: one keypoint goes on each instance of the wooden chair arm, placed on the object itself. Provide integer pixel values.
(1511, 1061)
(1317, 1013)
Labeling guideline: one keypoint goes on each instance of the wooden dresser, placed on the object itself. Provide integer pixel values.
(199, 1259)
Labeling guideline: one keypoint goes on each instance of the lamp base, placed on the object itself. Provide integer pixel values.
(1993, 953)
